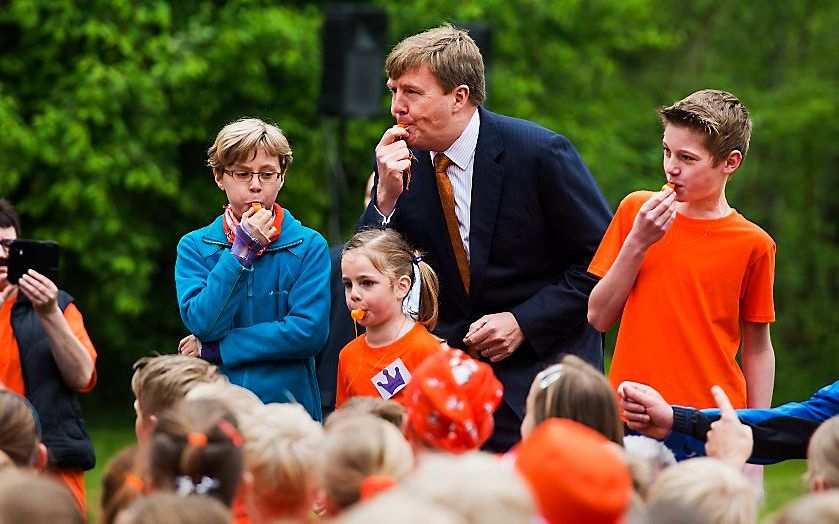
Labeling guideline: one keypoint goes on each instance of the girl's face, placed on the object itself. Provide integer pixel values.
(370, 290)
(242, 194)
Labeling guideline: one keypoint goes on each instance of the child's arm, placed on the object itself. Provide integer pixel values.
(609, 295)
(758, 364)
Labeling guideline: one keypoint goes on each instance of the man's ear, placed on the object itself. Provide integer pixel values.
(39, 461)
(461, 97)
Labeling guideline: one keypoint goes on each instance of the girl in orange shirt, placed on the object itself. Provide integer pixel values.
(392, 292)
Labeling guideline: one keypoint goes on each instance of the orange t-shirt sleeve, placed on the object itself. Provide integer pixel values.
(342, 386)
(76, 323)
(616, 233)
(757, 303)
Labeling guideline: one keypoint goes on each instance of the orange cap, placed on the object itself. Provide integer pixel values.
(575, 473)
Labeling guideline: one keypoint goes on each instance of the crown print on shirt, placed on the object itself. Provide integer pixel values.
(390, 380)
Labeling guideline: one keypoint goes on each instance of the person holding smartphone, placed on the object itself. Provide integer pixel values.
(46, 355)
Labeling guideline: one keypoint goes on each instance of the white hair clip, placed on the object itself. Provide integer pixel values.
(187, 486)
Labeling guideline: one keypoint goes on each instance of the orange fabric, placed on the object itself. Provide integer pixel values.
(358, 363)
(73, 478)
(680, 327)
(450, 402)
(12, 377)
(444, 187)
(240, 512)
(575, 473)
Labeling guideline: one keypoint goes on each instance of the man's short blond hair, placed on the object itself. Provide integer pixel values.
(720, 117)
(243, 138)
(450, 53)
(708, 486)
(160, 382)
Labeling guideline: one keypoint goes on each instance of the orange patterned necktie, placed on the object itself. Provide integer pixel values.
(444, 186)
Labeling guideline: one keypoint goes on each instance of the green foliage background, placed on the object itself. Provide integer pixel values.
(107, 109)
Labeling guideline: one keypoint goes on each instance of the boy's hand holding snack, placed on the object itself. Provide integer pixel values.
(654, 218)
(253, 234)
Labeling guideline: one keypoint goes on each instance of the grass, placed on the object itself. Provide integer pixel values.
(782, 482)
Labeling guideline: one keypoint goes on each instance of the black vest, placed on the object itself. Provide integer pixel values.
(62, 426)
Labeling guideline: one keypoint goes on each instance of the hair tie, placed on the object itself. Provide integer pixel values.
(372, 485)
(196, 439)
(231, 432)
(417, 259)
(187, 486)
(134, 481)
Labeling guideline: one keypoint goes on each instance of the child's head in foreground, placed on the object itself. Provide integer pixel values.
(706, 137)
(282, 457)
(815, 508)
(574, 390)
(450, 402)
(28, 497)
(174, 509)
(823, 456)
(196, 448)
(708, 486)
(20, 444)
(162, 381)
(357, 450)
(387, 410)
(478, 486)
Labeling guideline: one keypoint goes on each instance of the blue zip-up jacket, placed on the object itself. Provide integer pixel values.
(780, 433)
(270, 320)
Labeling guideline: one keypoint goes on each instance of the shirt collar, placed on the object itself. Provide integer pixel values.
(462, 150)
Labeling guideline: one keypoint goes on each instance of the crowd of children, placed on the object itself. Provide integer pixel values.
(230, 428)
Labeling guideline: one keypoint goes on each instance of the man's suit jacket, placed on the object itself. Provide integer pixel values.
(537, 219)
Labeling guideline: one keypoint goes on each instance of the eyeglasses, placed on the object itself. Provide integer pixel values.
(245, 177)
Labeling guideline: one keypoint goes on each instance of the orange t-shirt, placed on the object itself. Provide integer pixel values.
(382, 372)
(11, 377)
(680, 327)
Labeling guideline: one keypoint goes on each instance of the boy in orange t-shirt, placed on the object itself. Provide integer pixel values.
(690, 278)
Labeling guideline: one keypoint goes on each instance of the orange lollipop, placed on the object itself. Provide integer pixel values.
(411, 157)
(357, 314)
(671, 185)
(256, 206)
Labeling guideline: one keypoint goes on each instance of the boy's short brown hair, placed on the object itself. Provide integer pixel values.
(719, 116)
(160, 382)
(237, 140)
(450, 53)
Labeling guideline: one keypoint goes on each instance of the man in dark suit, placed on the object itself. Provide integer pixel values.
(506, 210)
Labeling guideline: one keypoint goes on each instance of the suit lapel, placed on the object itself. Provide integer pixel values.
(487, 181)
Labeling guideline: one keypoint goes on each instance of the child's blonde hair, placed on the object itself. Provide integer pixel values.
(357, 448)
(646, 459)
(722, 120)
(27, 497)
(160, 382)
(282, 453)
(244, 137)
(387, 410)
(815, 508)
(196, 448)
(19, 434)
(708, 486)
(174, 509)
(410, 510)
(823, 454)
(476, 485)
(392, 256)
(574, 390)
(121, 484)
(243, 402)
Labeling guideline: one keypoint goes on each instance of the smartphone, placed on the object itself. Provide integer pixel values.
(40, 255)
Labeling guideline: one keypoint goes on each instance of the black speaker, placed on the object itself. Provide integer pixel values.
(353, 38)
